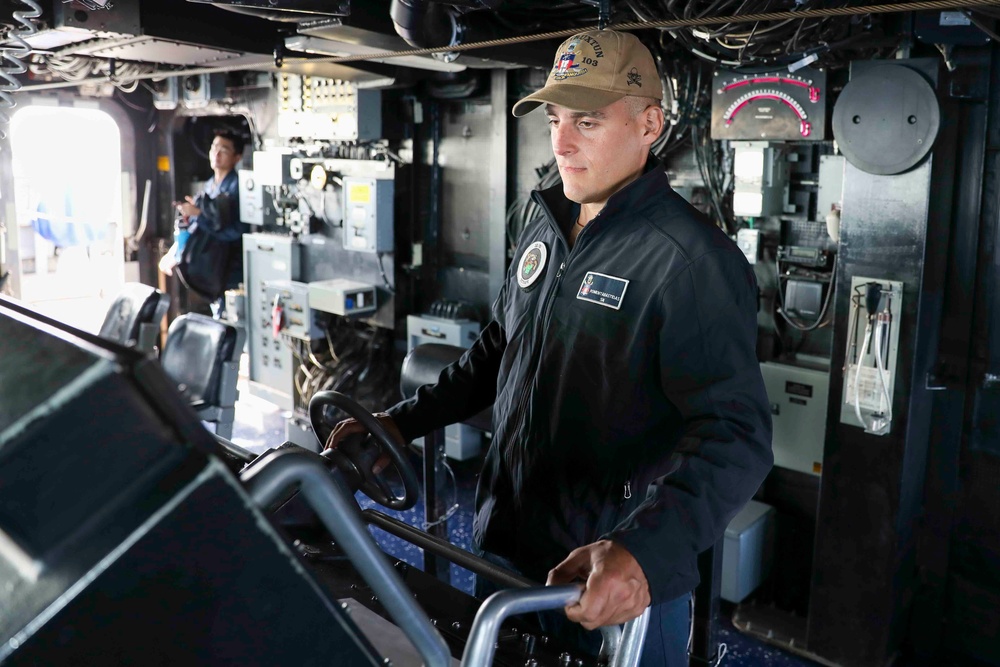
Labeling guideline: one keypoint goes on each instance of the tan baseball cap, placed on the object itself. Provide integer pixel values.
(592, 69)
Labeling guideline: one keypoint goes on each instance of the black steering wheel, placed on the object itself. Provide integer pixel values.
(356, 456)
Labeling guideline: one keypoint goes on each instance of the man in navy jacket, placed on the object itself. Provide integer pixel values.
(630, 418)
(215, 212)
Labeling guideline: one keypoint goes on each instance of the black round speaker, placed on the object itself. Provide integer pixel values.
(886, 119)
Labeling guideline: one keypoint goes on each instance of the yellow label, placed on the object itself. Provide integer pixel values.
(163, 163)
(817, 467)
(359, 193)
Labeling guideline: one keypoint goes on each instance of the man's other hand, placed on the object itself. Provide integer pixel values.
(616, 587)
(188, 207)
(349, 427)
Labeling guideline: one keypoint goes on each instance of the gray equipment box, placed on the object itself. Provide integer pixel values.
(798, 398)
(342, 297)
(461, 441)
(747, 551)
(299, 431)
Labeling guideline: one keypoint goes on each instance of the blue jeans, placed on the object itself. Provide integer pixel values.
(666, 642)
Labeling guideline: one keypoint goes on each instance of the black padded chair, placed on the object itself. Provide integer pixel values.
(424, 364)
(202, 356)
(135, 315)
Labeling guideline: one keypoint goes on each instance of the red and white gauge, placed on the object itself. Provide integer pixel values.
(744, 101)
(772, 106)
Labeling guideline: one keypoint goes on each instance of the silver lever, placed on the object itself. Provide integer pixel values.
(486, 628)
(269, 480)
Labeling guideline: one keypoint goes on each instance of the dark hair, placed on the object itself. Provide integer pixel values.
(238, 141)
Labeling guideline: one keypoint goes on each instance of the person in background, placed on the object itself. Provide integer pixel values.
(222, 220)
(630, 420)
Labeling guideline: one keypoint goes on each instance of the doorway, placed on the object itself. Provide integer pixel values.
(66, 164)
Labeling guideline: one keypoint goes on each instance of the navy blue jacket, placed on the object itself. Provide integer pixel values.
(632, 410)
(222, 222)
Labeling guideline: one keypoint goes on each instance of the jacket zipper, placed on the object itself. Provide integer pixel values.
(522, 406)
(536, 353)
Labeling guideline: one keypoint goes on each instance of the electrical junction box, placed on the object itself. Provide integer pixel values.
(198, 90)
(165, 94)
(368, 214)
(747, 551)
(461, 441)
(342, 297)
(798, 398)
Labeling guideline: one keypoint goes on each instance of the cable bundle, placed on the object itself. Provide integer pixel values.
(124, 75)
(777, 43)
(353, 358)
(15, 55)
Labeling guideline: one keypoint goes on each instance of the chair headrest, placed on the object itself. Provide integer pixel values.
(137, 304)
(424, 364)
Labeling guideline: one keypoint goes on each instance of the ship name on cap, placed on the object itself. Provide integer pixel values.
(598, 52)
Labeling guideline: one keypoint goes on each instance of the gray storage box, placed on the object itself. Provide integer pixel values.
(747, 551)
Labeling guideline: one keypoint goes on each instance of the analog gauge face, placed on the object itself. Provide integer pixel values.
(317, 177)
(774, 106)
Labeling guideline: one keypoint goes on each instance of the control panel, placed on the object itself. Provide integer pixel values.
(327, 109)
(290, 311)
(268, 260)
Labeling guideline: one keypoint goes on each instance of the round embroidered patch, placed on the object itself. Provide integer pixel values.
(532, 264)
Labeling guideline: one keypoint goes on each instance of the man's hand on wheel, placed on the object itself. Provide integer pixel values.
(348, 427)
(616, 587)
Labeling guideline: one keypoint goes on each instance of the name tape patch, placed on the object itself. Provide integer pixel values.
(602, 289)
